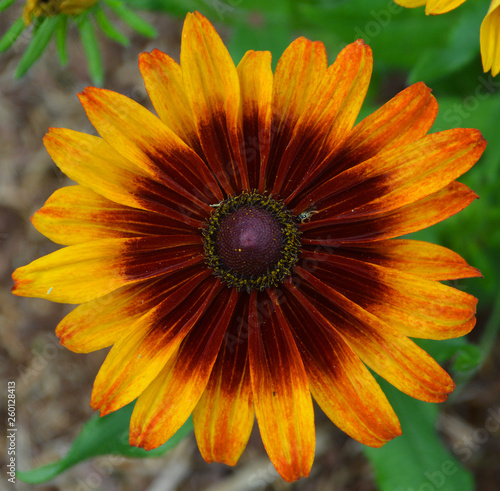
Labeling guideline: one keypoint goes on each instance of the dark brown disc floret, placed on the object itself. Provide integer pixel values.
(251, 241)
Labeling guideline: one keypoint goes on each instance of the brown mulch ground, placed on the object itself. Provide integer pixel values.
(54, 384)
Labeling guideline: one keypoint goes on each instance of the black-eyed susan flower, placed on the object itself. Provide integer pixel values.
(239, 251)
(36, 8)
(490, 27)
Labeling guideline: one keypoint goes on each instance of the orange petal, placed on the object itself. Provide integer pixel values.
(281, 393)
(340, 383)
(90, 161)
(101, 322)
(387, 352)
(327, 117)
(223, 418)
(398, 176)
(405, 118)
(135, 360)
(256, 84)
(407, 219)
(163, 79)
(423, 259)
(144, 140)
(213, 90)
(76, 214)
(298, 73)
(417, 307)
(166, 404)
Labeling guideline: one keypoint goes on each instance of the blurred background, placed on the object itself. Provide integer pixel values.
(53, 385)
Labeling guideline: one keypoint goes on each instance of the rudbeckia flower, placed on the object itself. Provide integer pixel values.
(490, 27)
(239, 251)
(36, 8)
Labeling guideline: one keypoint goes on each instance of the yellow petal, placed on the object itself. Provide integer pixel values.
(76, 214)
(340, 383)
(102, 322)
(141, 138)
(385, 350)
(91, 162)
(82, 272)
(407, 219)
(423, 259)
(213, 90)
(74, 274)
(298, 73)
(327, 118)
(163, 79)
(166, 404)
(490, 39)
(136, 359)
(405, 118)
(435, 7)
(399, 176)
(224, 416)
(256, 83)
(416, 306)
(411, 3)
(281, 392)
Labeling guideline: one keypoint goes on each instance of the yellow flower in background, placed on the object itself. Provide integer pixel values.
(490, 39)
(37, 8)
(490, 27)
(432, 7)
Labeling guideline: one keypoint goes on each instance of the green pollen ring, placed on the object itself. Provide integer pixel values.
(251, 241)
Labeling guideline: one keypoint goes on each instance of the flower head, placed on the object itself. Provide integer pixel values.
(239, 252)
(36, 8)
(490, 27)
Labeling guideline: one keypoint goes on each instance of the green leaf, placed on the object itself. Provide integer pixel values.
(37, 45)
(102, 436)
(417, 459)
(91, 48)
(4, 4)
(10, 37)
(109, 29)
(132, 19)
(62, 52)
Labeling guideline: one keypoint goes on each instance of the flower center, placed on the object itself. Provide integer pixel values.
(251, 242)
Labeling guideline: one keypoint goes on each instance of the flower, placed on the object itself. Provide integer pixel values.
(36, 8)
(490, 27)
(239, 251)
